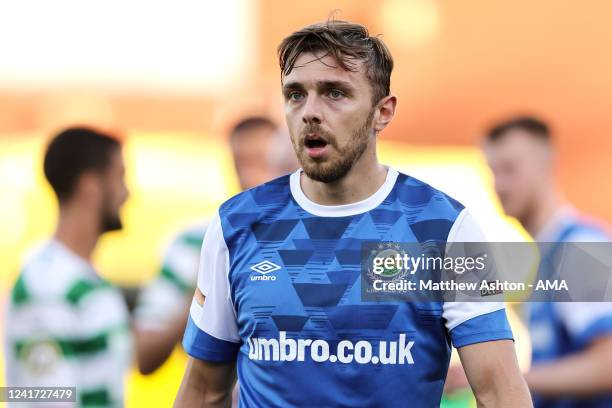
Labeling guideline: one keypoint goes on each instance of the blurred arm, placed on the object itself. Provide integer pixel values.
(586, 373)
(154, 346)
(493, 373)
(206, 385)
(163, 305)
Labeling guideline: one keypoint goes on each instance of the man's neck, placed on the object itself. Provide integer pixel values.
(363, 180)
(542, 214)
(78, 230)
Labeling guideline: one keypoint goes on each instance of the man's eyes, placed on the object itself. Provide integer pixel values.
(294, 96)
(335, 94)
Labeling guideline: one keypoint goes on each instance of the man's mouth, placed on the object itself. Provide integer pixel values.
(316, 146)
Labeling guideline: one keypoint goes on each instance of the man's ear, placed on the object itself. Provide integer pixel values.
(87, 185)
(385, 111)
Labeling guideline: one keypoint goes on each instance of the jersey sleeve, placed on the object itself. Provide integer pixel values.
(162, 300)
(477, 321)
(212, 331)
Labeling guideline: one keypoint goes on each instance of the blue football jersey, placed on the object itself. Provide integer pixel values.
(281, 280)
(559, 329)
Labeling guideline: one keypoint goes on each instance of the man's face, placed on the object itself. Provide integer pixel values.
(329, 114)
(251, 151)
(114, 192)
(520, 164)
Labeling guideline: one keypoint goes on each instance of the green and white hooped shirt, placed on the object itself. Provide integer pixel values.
(66, 326)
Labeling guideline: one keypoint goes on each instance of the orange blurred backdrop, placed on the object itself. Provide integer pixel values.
(459, 66)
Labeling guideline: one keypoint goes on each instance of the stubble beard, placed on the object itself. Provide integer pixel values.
(334, 169)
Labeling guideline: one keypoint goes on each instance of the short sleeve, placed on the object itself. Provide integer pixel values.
(162, 300)
(473, 322)
(212, 332)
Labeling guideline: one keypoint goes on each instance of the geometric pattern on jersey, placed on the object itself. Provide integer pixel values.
(322, 255)
(316, 294)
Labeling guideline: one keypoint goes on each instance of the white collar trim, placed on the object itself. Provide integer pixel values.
(343, 210)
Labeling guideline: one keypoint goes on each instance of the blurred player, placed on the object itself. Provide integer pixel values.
(279, 294)
(66, 326)
(572, 342)
(163, 306)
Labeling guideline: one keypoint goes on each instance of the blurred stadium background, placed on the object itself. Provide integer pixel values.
(172, 76)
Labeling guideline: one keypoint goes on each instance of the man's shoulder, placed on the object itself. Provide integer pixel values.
(51, 262)
(416, 194)
(258, 200)
(50, 273)
(576, 226)
(191, 236)
(194, 230)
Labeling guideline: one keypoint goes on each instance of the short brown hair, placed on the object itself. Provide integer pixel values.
(344, 41)
(73, 152)
(530, 124)
(250, 123)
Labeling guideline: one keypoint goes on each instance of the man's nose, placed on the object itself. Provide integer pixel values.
(312, 111)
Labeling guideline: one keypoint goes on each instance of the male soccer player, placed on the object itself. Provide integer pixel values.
(66, 326)
(279, 294)
(572, 342)
(164, 304)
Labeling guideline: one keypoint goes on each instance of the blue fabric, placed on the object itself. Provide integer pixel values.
(201, 345)
(554, 340)
(598, 328)
(307, 338)
(486, 327)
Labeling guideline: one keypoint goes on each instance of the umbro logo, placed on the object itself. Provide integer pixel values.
(264, 268)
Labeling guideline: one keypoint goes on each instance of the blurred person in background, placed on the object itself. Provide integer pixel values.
(261, 152)
(572, 342)
(67, 326)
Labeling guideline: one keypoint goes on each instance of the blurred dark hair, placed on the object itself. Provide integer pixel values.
(248, 124)
(530, 124)
(73, 152)
(345, 42)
